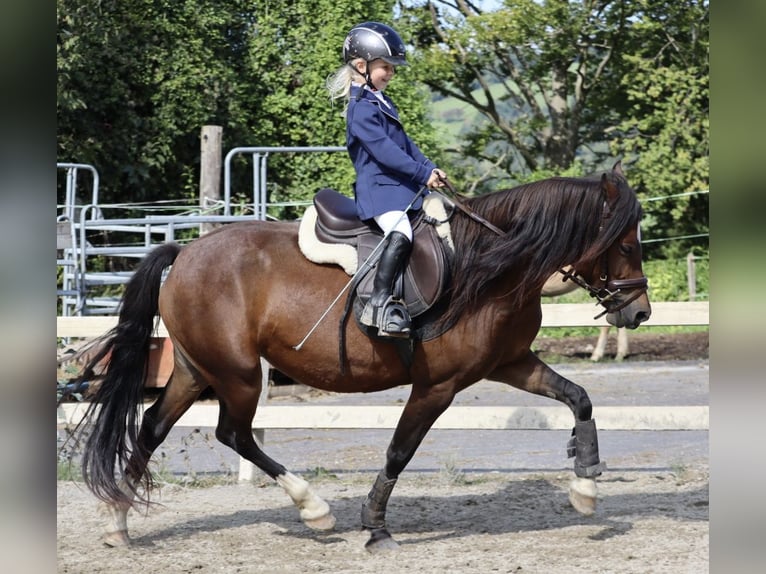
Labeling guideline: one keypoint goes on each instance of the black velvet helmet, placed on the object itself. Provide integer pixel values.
(373, 40)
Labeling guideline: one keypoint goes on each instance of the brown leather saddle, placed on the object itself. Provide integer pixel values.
(427, 274)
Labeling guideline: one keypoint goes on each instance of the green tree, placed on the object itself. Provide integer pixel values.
(298, 45)
(665, 132)
(543, 76)
(137, 80)
(542, 81)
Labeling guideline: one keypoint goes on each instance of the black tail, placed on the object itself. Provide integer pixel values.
(112, 417)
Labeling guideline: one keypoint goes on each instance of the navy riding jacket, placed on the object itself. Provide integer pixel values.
(390, 169)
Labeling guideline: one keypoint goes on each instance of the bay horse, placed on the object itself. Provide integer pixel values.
(245, 291)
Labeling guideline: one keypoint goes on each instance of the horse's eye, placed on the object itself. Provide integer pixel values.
(626, 249)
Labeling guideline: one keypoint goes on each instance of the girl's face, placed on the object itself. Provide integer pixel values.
(380, 71)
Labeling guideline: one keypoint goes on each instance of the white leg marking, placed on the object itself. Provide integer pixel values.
(310, 505)
(598, 352)
(622, 344)
(582, 495)
(117, 528)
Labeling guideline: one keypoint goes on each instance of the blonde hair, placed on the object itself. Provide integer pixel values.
(339, 83)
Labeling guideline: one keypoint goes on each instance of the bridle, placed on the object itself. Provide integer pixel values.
(603, 295)
(611, 288)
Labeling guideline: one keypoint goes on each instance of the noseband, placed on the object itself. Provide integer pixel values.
(610, 289)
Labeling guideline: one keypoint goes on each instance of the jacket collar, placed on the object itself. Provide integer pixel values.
(383, 102)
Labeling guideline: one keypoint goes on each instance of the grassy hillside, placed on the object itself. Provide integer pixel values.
(453, 117)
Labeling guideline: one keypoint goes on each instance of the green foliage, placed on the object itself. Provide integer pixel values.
(561, 332)
(538, 88)
(319, 473)
(542, 74)
(668, 279)
(451, 473)
(296, 110)
(664, 134)
(530, 89)
(138, 80)
(67, 470)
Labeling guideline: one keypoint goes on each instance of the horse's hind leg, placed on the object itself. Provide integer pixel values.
(179, 394)
(237, 410)
(421, 411)
(536, 377)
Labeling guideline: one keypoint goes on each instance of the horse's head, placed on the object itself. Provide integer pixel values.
(615, 276)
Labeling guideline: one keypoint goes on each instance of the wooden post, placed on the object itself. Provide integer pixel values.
(210, 170)
(691, 276)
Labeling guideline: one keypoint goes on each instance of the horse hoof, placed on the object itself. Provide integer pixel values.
(582, 495)
(326, 522)
(117, 538)
(380, 541)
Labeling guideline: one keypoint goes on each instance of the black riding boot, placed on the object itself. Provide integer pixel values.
(382, 311)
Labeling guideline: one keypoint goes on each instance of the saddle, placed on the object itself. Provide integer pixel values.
(333, 227)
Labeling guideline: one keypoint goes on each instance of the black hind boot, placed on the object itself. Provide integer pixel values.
(389, 315)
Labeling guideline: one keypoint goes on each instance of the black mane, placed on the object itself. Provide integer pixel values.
(548, 224)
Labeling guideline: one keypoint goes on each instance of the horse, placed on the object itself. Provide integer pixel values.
(245, 292)
(557, 285)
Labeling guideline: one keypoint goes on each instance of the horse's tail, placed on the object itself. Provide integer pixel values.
(114, 412)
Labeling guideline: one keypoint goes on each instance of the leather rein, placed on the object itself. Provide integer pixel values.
(603, 295)
(472, 214)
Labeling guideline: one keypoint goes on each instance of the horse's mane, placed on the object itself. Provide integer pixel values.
(548, 224)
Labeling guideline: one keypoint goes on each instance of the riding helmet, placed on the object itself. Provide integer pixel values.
(373, 40)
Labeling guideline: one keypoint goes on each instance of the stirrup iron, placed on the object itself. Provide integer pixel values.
(394, 319)
(391, 319)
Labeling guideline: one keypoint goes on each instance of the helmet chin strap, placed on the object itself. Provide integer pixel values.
(368, 78)
(366, 75)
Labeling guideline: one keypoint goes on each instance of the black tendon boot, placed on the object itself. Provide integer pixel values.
(390, 316)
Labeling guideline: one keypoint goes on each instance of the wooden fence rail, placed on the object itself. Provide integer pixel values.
(456, 417)
(554, 315)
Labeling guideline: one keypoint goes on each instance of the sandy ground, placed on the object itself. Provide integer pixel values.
(647, 522)
(468, 502)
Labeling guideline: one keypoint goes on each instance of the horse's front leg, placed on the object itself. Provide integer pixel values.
(623, 346)
(534, 376)
(421, 411)
(600, 349)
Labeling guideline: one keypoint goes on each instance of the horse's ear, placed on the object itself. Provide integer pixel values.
(610, 189)
(617, 168)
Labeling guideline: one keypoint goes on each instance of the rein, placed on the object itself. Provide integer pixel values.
(472, 214)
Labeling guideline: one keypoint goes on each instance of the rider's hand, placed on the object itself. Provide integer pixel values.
(437, 178)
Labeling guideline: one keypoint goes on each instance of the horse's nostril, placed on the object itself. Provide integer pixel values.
(642, 316)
